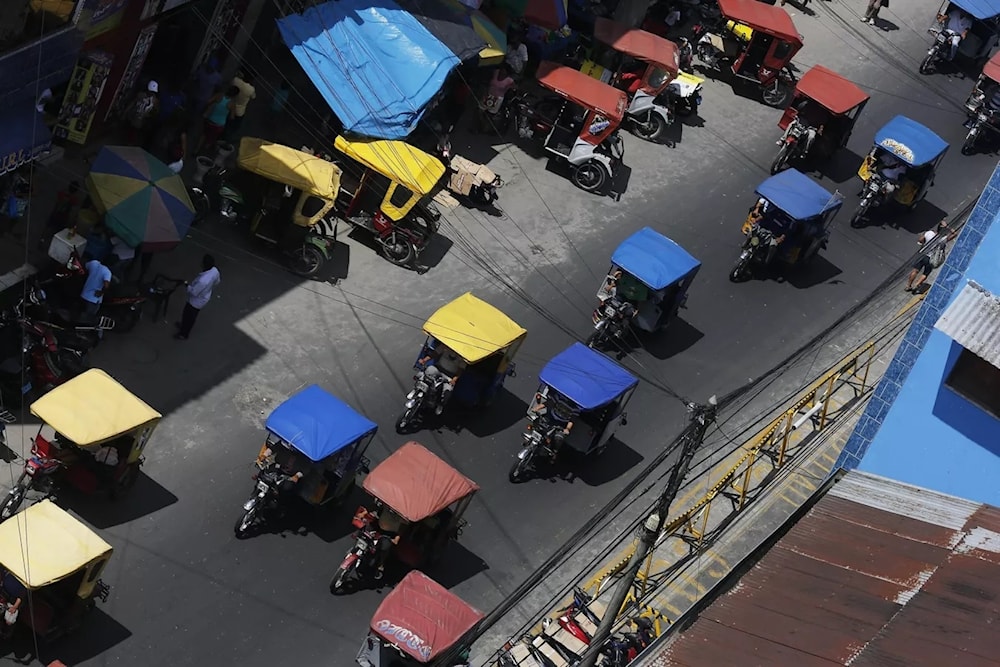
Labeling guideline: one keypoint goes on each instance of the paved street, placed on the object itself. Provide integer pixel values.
(186, 592)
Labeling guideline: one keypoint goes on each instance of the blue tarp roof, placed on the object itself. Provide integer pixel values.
(980, 9)
(653, 259)
(586, 377)
(798, 195)
(24, 135)
(376, 66)
(910, 141)
(317, 423)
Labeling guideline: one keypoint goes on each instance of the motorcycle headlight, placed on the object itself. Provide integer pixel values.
(755, 240)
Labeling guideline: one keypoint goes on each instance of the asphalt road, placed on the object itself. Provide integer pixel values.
(185, 592)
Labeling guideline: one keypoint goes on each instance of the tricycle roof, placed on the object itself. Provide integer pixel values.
(992, 67)
(416, 484)
(762, 16)
(585, 90)
(798, 195)
(397, 160)
(832, 91)
(910, 141)
(472, 328)
(586, 377)
(282, 164)
(318, 423)
(59, 545)
(980, 9)
(637, 43)
(422, 617)
(93, 408)
(653, 259)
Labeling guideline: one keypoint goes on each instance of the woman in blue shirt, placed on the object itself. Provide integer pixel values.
(217, 113)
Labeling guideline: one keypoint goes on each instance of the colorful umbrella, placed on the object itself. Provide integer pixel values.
(144, 203)
(550, 14)
(495, 38)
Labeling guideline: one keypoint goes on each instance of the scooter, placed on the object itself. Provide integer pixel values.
(426, 395)
(267, 491)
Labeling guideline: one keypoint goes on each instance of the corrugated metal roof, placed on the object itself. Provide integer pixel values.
(876, 573)
(973, 321)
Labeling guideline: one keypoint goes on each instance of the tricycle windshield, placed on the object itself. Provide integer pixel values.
(317, 424)
(416, 484)
(92, 409)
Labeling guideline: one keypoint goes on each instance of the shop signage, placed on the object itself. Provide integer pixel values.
(85, 88)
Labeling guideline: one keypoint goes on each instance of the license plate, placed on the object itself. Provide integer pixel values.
(421, 386)
(262, 487)
(361, 546)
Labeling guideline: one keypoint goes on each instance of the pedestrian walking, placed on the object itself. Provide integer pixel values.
(871, 14)
(98, 280)
(142, 114)
(928, 260)
(199, 293)
(243, 82)
(217, 114)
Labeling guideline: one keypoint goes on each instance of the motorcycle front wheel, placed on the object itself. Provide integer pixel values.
(777, 94)
(342, 577)
(245, 523)
(306, 261)
(406, 420)
(398, 249)
(741, 270)
(521, 470)
(590, 176)
(927, 66)
(13, 502)
(781, 158)
(858, 219)
(651, 129)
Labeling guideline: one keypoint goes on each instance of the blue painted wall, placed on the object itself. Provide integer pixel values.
(914, 429)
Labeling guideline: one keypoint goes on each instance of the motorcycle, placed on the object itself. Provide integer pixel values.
(755, 250)
(792, 145)
(36, 475)
(611, 320)
(359, 559)
(986, 118)
(536, 115)
(426, 395)
(215, 195)
(480, 192)
(937, 51)
(267, 491)
(541, 438)
(874, 194)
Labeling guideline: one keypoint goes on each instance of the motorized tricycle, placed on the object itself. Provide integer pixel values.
(419, 503)
(578, 126)
(643, 65)
(468, 354)
(58, 579)
(645, 287)
(387, 189)
(900, 167)
(316, 440)
(92, 437)
(296, 197)
(580, 403)
(821, 117)
(756, 42)
(790, 223)
(978, 20)
(983, 106)
(416, 622)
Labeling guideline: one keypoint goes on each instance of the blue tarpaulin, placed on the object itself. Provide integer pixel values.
(586, 377)
(317, 423)
(798, 195)
(23, 136)
(375, 64)
(653, 259)
(910, 141)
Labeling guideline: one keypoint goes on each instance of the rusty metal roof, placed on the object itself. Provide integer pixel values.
(973, 321)
(876, 573)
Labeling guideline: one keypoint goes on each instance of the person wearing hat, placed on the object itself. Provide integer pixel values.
(142, 115)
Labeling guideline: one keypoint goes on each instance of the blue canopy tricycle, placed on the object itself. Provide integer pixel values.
(580, 403)
(790, 222)
(314, 448)
(900, 167)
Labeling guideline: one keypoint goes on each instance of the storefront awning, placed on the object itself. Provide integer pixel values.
(23, 136)
(32, 68)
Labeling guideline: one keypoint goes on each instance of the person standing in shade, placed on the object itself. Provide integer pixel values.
(244, 84)
(98, 280)
(217, 114)
(143, 115)
(517, 55)
(199, 293)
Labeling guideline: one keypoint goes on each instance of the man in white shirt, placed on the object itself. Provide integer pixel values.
(517, 55)
(199, 293)
(923, 265)
(958, 23)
